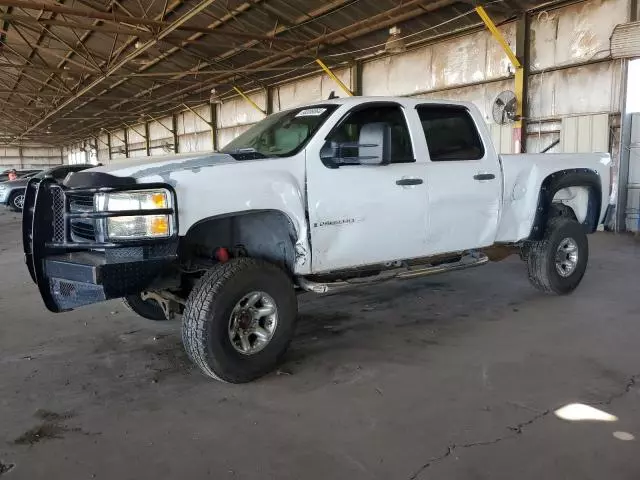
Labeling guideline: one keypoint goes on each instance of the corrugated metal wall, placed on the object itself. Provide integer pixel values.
(29, 157)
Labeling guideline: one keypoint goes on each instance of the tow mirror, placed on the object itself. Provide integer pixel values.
(372, 148)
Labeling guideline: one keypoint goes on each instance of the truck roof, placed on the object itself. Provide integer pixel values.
(407, 101)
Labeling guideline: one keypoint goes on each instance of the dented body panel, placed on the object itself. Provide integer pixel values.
(214, 185)
(524, 176)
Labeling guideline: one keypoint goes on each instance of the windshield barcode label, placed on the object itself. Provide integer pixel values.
(311, 112)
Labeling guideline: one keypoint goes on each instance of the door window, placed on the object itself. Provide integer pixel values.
(349, 131)
(451, 133)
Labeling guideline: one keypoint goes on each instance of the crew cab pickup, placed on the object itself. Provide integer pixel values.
(323, 197)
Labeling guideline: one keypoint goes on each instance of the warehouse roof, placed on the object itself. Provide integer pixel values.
(70, 68)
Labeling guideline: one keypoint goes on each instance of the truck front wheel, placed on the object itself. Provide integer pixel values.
(558, 262)
(148, 309)
(239, 320)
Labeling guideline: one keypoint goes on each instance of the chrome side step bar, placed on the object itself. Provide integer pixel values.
(468, 261)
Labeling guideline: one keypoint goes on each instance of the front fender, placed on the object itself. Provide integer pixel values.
(244, 186)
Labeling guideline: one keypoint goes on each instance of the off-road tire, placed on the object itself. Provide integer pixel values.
(205, 321)
(541, 257)
(148, 309)
(12, 201)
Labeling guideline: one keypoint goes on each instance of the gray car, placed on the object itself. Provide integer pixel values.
(12, 192)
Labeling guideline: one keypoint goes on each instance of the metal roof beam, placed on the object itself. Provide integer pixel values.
(173, 26)
(97, 15)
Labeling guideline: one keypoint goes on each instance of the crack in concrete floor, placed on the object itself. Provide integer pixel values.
(515, 429)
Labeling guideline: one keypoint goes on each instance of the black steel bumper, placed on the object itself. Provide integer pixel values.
(71, 271)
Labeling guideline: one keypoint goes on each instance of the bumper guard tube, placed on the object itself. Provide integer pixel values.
(70, 271)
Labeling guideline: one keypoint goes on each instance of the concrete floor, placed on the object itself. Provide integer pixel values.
(450, 377)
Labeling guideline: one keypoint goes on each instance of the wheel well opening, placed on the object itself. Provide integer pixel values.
(574, 192)
(266, 234)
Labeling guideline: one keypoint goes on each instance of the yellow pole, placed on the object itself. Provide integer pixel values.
(498, 36)
(251, 102)
(334, 78)
(519, 77)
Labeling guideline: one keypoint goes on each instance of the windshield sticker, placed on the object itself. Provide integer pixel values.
(311, 112)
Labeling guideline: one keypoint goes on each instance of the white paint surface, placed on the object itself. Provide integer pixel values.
(358, 214)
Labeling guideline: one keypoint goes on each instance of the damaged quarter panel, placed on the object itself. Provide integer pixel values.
(213, 185)
(524, 177)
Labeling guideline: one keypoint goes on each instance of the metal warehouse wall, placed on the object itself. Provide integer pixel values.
(29, 157)
(569, 76)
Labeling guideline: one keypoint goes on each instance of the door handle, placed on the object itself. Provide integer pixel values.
(409, 181)
(484, 176)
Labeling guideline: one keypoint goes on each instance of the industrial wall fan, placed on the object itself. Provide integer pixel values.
(504, 107)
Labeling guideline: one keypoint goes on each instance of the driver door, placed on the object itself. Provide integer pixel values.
(367, 214)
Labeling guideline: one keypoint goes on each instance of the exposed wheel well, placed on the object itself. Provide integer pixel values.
(574, 192)
(265, 234)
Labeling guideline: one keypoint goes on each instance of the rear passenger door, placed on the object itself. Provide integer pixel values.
(464, 181)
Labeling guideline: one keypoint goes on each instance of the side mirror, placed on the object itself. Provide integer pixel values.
(372, 148)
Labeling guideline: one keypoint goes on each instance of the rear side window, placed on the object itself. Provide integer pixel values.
(451, 134)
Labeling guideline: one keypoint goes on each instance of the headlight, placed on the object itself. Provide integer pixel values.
(133, 226)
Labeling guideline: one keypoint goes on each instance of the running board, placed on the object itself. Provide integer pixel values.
(467, 261)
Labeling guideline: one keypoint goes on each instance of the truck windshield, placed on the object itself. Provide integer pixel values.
(281, 134)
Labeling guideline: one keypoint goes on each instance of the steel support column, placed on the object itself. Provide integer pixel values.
(126, 142)
(522, 82)
(174, 131)
(268, 96)
(356, 77)
(147, 139)
(213, 115)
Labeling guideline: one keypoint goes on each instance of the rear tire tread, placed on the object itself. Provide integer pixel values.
(541, 271)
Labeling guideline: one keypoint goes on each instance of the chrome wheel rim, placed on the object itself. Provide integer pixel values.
(567, 257)
(18, 202)
(253, 322)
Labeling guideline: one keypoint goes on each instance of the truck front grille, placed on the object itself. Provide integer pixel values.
(82, 230)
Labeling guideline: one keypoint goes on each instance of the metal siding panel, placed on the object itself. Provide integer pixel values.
(575, 33)
(569, 135)
(583, 138)
(238, 111)
(502, 137)
(600, 133)
(308, 90)
(134, 136)
(625, 41)
(585, 134)
(195, 142)
(158, 132)
(580, 90)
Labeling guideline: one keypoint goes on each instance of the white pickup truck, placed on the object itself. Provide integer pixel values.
(331, 195)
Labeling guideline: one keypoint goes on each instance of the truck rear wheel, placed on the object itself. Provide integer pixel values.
(239, 320)
(558, 262)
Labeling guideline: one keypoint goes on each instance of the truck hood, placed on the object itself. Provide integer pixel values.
(163, 166)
